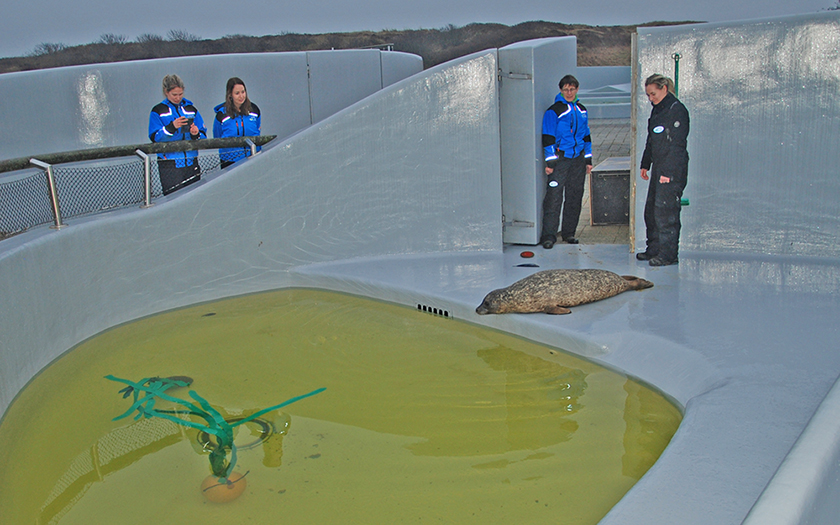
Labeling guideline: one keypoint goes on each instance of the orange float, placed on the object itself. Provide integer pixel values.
(217, 491)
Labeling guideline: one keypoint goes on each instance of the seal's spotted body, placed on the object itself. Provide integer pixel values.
(554, 291)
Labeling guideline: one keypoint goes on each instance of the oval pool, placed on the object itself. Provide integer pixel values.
(424, 418)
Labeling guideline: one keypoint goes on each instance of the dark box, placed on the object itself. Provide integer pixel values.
(609, 192)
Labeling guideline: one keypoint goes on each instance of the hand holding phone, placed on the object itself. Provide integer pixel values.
(186, 127)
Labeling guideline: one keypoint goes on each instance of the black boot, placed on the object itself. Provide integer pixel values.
(548, 241)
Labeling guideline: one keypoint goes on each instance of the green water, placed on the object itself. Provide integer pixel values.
(425, 419)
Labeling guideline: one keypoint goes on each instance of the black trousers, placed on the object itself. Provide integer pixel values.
(662, 218)
(173, 178)
(564, 190)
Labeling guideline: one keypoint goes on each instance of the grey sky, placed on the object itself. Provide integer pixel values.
(25, 24)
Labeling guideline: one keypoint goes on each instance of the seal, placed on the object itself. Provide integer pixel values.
(554, 291)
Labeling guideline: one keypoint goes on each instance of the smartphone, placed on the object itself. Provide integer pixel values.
(186, 127)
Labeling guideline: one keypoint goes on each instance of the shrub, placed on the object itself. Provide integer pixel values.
(112, 39)
(47, 48)
(146, 38)
(179, 35)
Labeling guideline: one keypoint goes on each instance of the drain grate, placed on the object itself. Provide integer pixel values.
(432, 310)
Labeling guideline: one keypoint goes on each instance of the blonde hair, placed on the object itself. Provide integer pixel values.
(660, 81)
(171, 82)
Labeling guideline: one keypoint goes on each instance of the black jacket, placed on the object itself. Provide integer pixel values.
(667, 135)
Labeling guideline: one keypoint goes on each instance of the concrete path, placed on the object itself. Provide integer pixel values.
(610, 138)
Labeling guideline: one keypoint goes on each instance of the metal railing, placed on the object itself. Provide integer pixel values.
(74, 190)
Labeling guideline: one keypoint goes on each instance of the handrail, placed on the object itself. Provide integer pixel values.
(389, 46)
(126, 151)
(251, 145)
(53, 193)
(147, 179)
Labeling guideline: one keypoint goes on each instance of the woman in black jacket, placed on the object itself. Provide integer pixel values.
(665, 149)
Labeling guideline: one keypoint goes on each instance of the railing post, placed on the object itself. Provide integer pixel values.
(52, 192)
(147, 179)
(676, 57)
(253, 146)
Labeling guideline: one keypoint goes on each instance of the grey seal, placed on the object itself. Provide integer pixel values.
(554, 291)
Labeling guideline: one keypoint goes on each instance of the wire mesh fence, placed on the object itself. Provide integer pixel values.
(83, 188)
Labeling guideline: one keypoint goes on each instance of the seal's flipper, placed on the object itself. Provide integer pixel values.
(557, 310)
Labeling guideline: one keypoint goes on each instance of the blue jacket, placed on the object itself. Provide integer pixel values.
(565, 131)
(237, 126)
(161, 129)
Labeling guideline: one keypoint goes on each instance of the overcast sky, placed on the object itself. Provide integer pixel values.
(26, 23)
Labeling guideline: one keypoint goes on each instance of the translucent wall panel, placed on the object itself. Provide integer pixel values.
(593, 77)
(413, 169)
(355, 72)
(605, 91)
(108, 104)
(397, 66)
(764, 174)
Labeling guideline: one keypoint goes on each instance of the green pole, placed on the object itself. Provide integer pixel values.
(676, 57)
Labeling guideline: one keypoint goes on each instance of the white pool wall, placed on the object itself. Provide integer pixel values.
(806, 488)
(100, 105)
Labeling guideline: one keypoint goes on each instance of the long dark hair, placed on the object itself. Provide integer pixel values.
(230, 108)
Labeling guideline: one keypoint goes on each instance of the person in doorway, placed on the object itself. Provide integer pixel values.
(174, 119)
(568, 160)
(237, 116)
(665, 150)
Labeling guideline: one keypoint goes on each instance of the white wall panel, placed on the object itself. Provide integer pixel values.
(765, 117)
(530, 72)
(100, 105)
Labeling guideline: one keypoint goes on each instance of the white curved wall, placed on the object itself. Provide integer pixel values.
(806, 487)
(98, 105)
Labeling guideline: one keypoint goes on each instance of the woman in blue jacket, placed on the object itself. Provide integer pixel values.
(236, 117)
(176, 118)
(568, 160)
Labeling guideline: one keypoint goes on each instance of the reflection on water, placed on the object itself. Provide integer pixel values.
(124, 446)
(643, 440)
(424, 418)
(538, 392)
(113, 452)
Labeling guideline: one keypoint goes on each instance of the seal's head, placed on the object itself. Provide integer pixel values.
(492, 304)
